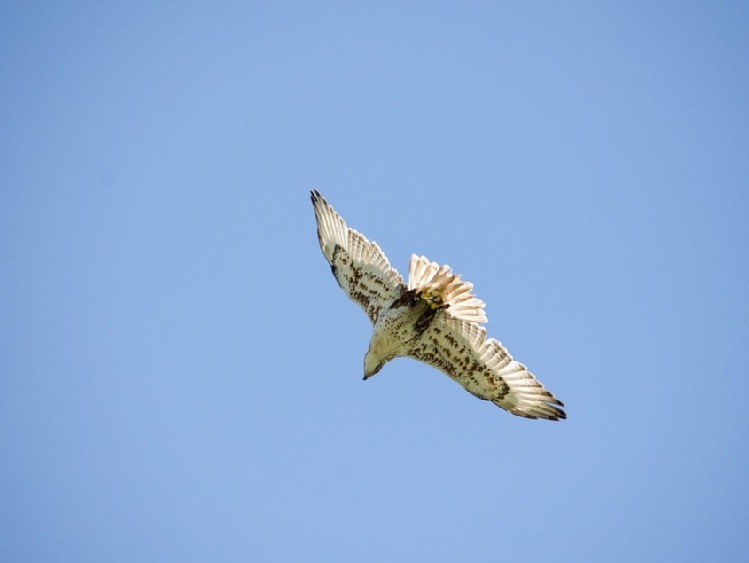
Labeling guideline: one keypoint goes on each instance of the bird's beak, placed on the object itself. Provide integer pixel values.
(373, 372)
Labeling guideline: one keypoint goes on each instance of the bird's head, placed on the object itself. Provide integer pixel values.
(375, 358)
(372, 365)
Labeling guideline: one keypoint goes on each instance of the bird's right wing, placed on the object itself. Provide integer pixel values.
(484, 368)
(359, 266)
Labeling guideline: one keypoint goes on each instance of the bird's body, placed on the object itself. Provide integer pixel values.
(397, 331)
(434, 318)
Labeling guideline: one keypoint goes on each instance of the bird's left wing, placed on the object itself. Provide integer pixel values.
(484, 368)
(359, 266)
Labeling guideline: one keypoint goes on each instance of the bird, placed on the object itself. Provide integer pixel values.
(434, 318)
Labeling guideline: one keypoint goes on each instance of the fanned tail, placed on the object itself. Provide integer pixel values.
(443, 289)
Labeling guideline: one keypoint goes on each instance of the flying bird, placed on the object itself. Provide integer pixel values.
(434, 318)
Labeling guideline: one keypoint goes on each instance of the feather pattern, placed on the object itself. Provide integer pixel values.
(359, 266)
(485, 368)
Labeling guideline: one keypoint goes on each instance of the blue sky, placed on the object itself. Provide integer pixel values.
(181, 375)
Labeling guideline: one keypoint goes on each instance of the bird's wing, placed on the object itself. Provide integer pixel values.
(485, 368)
(359, 266)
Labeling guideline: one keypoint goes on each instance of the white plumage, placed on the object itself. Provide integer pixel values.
(433, 318)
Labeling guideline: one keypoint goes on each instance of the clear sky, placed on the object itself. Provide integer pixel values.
(181, 375)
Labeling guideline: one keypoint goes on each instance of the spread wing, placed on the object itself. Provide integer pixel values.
(359, 266)
(485, 368)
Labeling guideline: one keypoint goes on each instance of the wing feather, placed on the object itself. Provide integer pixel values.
(360, 267)
(485, 368)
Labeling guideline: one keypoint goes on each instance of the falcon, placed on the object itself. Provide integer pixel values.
(434, 318)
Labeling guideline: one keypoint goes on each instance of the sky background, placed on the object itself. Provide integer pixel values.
(181, 375)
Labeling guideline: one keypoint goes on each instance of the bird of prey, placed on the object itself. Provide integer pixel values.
(434, 318)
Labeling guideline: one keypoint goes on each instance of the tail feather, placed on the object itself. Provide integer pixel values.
(440, 284)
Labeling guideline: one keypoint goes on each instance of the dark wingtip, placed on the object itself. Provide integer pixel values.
(559, 415)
